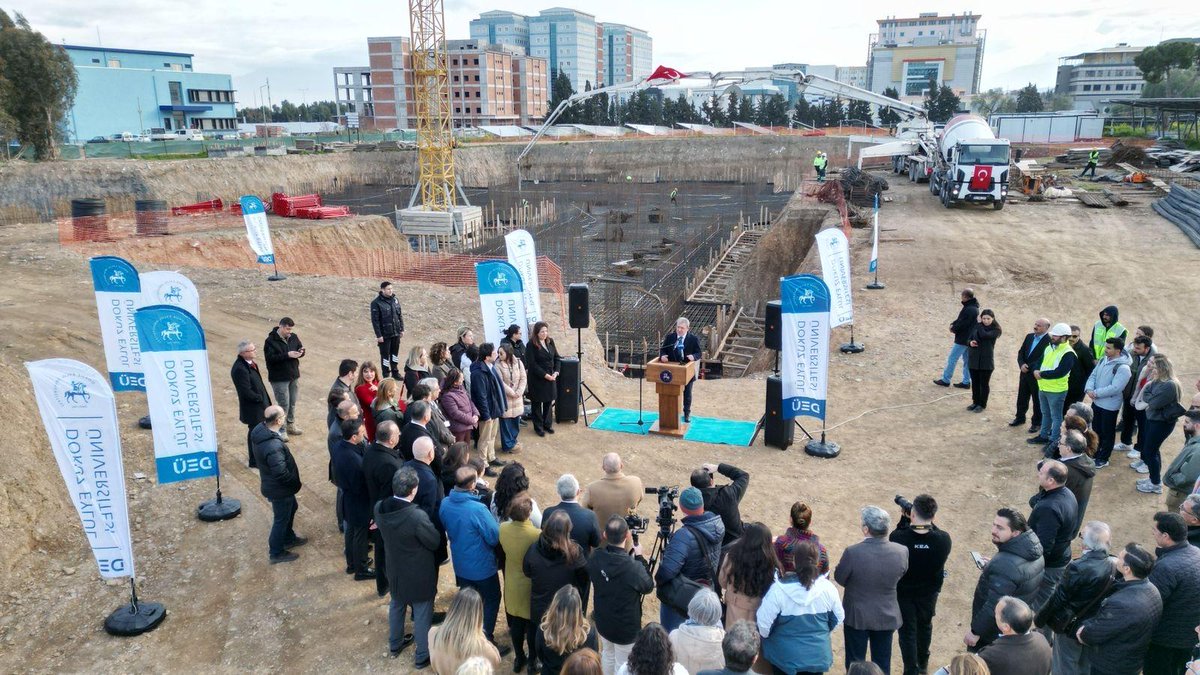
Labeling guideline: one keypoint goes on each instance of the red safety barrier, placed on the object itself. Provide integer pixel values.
(210, 206)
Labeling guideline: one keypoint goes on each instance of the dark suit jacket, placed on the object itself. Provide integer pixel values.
(408, 435)
(585, 529)
(691, 347)
(869, 571)
(379, 466)
(348, 474)
(252, 394)
(1034, 360)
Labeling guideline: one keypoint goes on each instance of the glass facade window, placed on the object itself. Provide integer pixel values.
(917, 75)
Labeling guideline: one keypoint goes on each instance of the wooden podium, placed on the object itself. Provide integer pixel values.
(669, 381)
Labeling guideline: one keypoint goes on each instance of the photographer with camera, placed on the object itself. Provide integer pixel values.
(620, 578)
(723, 500)
(917, 591)
(691, 555)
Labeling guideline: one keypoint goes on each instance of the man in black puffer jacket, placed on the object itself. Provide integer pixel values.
(620, 579)
(1086, 582)
(1119, 633)
(1052, 519)
(1177, 577)
(388, 323)
(283, 352)
(1016, 570)
(280, 478)
(961, 328)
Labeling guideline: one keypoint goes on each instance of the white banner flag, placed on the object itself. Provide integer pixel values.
(118, 296)
(835, 269)
(500, 297)
(258, 230)
(804, 338)
(80, 415)
(874, 267)
(523, 257)
(170, 288)
(179, 391)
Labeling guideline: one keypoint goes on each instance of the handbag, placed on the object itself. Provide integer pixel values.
(678, 591)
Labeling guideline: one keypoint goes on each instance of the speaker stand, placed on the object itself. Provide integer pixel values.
(583, 385)
(640, 422)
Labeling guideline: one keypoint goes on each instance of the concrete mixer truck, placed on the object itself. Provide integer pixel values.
(971, 164)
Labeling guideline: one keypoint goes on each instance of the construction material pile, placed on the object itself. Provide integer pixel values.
(1182, 207)
(860, 187)
(210, 206)
(1126, 154)
(1080, 156)
(305, 206)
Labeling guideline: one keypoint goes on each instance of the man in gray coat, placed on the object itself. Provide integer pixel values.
(412, 543)
(869, 571)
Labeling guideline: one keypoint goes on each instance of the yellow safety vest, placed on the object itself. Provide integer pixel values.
(1050, 361)
(1100, 335)
(1094, 156)
(819, 162)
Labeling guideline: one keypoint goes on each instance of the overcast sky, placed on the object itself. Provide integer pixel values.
(296, 43)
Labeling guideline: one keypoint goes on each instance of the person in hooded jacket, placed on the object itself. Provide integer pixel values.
(1015, 570)
(1106, 387)
(981, 345)
(694, 551)
(961, 329)
(797, 616)
(1105, 329)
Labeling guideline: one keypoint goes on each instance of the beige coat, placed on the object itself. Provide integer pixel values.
(446, 664)
(513, 378)
(613, 495)
(698, 648)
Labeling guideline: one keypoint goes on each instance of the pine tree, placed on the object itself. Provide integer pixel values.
(733, 110)
(861, 111)
(802, 112)
(887, 116)
(1028, 99)
(561, 90)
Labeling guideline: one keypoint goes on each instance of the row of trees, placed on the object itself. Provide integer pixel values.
(286, 111)
(1171, 69)
(37, 87)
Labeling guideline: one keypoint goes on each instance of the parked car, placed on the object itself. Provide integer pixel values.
(188, 135)
(127, 137)
(160, 134)
(100, 139)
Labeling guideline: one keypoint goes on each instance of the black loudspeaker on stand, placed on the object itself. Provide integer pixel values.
(566, 409)
(773, 328)
(777, 431)
(577, 317)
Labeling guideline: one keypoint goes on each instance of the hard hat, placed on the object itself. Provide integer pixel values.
(1060, 330)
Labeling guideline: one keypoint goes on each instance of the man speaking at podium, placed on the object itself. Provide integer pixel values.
(681, 347)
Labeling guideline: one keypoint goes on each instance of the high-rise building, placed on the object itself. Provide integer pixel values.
(498, 27)
(1091, 78)
(907, 52)
(135, 90)
(567, 39)
(626, 54)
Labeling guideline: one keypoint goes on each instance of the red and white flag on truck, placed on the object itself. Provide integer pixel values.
(981, 178)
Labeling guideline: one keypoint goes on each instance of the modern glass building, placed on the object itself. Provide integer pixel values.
(134, 90)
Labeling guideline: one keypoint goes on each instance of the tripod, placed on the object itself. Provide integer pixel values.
(762, 420)
(640, 422)
(583, 385)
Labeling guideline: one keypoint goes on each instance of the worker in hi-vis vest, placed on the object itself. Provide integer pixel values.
(674, 194)
(1107, 327)
(1093, 160)
(1053, 378)
(820, 161)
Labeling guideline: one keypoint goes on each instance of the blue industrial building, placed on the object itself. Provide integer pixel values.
(133, 90)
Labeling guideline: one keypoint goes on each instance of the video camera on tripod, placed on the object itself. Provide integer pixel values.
(665, 519)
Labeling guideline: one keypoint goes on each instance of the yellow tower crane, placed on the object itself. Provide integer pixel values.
(431, 91)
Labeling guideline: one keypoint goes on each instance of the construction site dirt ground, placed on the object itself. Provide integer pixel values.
(229, 611)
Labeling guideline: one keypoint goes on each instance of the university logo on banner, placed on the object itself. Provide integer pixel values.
(501, 297)
(118, 296)
(179, 391)
(835, 269)
(170, 288)
(258, 230)
(804, 337)
(523, 256)
(80, 415)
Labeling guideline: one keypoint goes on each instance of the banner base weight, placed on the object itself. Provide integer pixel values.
(276, 277)
(852, 348)
(219, 509)
(825, 449)
(876, 286)
(134, 619)
(144, 423)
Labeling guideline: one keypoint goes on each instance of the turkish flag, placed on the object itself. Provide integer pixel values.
(665, 73)
(981, 180)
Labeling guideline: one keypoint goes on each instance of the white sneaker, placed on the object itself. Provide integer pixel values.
(1144, 481)
(1136, 463)
(1150, 488)
(1133, 454)
(1143, 468)
(1120, 447)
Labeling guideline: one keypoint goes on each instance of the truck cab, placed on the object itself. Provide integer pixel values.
(976, 172)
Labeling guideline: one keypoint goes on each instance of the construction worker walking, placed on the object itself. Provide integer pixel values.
(1093, 160)
(674, 194)
(820, 161)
